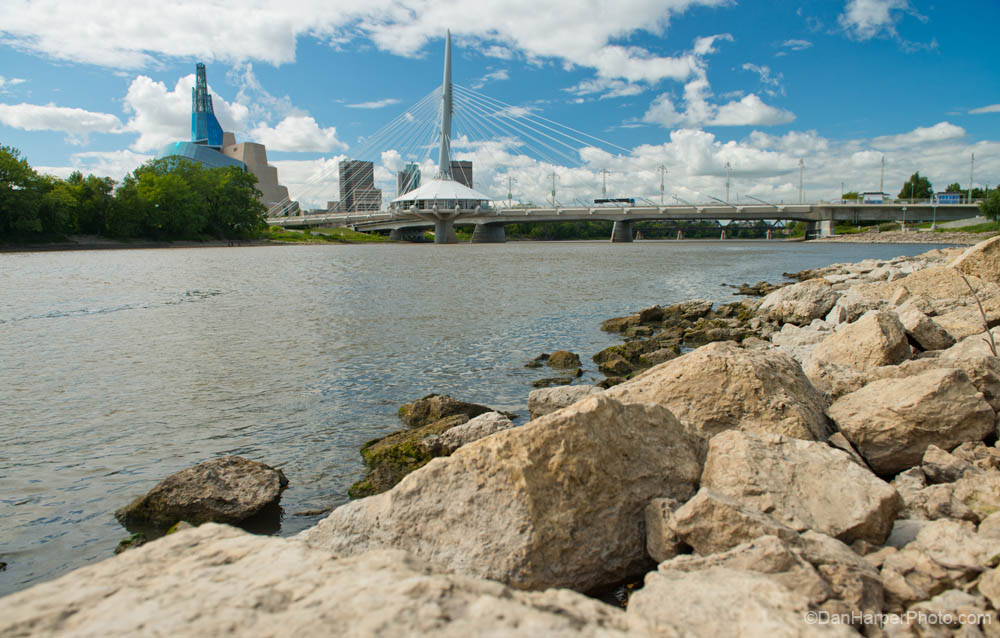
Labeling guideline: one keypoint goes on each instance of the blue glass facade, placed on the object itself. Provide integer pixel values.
(205, 128)
(207, 155)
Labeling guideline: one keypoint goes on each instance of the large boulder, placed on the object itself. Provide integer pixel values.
(981, 260)
(876, 339)
(799, 303)
(922, 329)
(721, 601)
(722, 386)
(892, 422)
(548, 400)
(557, 502)
(805, 485)
(563, 359)
(218, 581)
(226, 489)
(435, 407)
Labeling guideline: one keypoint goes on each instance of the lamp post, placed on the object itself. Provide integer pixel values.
(904, 219)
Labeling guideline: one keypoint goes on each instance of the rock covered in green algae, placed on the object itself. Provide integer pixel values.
(226, 489)
(563, 359)
(392, 457)
(135, 540)
(435, 407)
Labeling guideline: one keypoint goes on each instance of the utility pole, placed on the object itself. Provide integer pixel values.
(881, 179)
(510, 191)
(802, 165)
(553, 189)
(729, 172)
(663, 172)
(972, 166)
(604, 185)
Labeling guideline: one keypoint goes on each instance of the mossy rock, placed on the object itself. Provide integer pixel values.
(619, 324)
(710, 330)
(629, 351)
(563, 359)
(392, 457)
(135, 540)
(551, 381)
(615, 366)
(435, 407)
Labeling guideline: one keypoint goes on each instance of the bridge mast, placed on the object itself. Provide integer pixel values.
(444, 157)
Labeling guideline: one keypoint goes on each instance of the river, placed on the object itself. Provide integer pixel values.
(120, 367)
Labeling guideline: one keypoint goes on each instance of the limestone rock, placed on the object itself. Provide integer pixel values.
(979, 492)
(564, 359)
(892, 422)
(833, 379)
(965, 319)
(475, 429)
(876, 339)
(802, 484)
(799, 303)
(940, 466)
(661, 541)
(226, 489)
(652, 314)
(435, 407)
(983, 371)
(557, 502)
(722, 386)
(615, 366)
(712, 522)
(548, 400)
(218, 581)
(924, 330)
(974, 345)
(981, 260)
(720, 601)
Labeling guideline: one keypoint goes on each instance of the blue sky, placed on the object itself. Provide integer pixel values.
(690, 85)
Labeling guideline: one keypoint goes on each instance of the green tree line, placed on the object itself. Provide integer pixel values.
(164, 199)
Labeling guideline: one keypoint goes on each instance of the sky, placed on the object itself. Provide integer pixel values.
(610, 96)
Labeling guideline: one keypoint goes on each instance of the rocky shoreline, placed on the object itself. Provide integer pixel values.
(818, 461)
(909, 237)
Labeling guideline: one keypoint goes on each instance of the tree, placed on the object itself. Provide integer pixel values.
(916, 187)
(20, 188)
(990, 207)
(852, 195)
(954, 187)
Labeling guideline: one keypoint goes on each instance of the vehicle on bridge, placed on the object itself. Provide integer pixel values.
(615, 201)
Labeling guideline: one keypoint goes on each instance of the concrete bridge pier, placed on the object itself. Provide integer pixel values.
(407, 234)
(822, 228)
(444, 231)
(723, 235)
(680, 234)
(770, 233)
(489, 234)
(621, 232)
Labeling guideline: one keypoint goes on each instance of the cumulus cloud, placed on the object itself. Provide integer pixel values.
(377, 104)
(992, 108)
(298, 133)
(268, 31)
(6, 83)
(608, 88)
(940, 132)
(113, 164)
(75, 122)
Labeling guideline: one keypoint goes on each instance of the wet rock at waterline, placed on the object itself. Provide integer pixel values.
(563, 359)
(226, 489)
(435, 407)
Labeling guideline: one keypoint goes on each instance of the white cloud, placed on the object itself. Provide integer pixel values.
(298, 133)
(113, 164)
(608, 88)
(796, 45)
(5, 83)
(866, 19)
(940, 132)
(770, 80)
(75, 122)
(992, 108)
(750, 111)
(377, 104)
(111, 33)
(493, 76)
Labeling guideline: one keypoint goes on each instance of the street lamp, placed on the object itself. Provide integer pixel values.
(904, 219)
(934, 201)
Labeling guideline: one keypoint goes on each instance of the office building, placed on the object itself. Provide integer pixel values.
(461, 172)
(407, 179)
(357, 187)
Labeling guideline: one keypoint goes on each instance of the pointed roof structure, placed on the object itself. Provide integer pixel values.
(443, 191)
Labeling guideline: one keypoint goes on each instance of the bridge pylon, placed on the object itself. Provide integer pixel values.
(621, 232)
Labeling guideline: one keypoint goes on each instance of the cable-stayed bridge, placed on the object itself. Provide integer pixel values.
(506, 135)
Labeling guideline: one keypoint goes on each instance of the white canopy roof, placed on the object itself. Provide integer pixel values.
(439, 189)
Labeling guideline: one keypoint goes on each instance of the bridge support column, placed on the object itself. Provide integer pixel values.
(621, 232)
(444, 231)
(822, 228)
(407, 234)
(680, 234)
(489, 234)
(770, 233)
(723, 235)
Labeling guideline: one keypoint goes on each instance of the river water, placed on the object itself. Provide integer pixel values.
(120, 367)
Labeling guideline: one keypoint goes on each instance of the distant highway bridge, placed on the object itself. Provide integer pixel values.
(409, 224)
